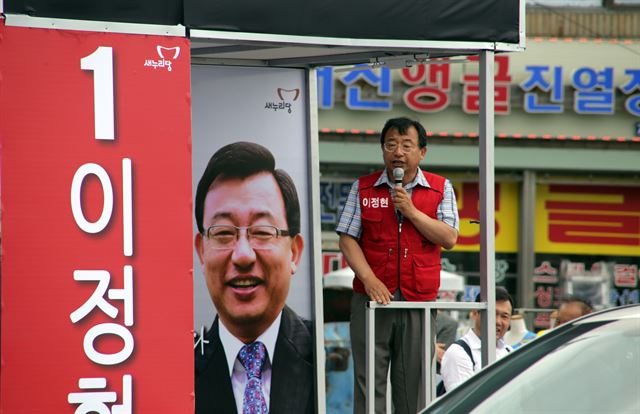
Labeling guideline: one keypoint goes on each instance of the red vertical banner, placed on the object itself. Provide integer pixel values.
(97, 305)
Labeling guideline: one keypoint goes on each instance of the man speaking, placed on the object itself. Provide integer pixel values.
(259, 354)
(391, 230)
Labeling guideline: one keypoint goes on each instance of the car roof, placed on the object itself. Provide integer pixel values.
(631, 311)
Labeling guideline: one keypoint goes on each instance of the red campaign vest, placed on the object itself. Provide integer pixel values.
(418, 258)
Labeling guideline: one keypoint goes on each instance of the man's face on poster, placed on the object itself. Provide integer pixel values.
(248, 278)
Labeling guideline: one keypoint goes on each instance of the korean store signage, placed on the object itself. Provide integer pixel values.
(587, 88)
(589, 219)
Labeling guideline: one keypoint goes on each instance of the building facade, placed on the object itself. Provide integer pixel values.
(567, 153)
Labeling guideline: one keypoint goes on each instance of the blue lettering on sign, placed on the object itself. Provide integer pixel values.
(632, 104)
(470, 293)
(354, 93)
(626, 297)
(326, 197)
(332, 198)
(555, 87)
(325, 87)
(594, 91)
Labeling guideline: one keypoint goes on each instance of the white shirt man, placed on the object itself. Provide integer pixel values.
(456, 364)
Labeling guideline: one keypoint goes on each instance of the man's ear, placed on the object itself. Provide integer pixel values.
(199, 247)
(297, 245)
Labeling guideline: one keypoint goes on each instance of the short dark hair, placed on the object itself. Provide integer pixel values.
(243, 160)
(402, 124)
(501, 295)
(585, 304)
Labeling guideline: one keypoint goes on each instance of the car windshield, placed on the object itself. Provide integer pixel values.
(598, 371)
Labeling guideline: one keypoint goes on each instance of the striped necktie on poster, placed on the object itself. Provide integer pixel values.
(252, 357)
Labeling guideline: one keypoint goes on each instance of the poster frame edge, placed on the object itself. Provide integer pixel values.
(316, 227)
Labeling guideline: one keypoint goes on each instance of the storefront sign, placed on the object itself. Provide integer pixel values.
(506, 217)
(593, 88)
(588, 219)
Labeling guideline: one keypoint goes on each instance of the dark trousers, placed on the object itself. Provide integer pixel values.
(398, 342)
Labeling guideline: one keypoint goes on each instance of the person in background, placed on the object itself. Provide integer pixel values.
(458, 364)
(391, 231)
(446, 334)
(572, 307)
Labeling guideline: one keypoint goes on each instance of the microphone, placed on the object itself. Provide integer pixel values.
(398, 175)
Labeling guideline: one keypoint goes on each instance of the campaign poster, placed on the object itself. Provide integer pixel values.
(96, 222)
(264, 110)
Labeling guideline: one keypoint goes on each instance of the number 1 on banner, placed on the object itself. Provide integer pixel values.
(101, 63)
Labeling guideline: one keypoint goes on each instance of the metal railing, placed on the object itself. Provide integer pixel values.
(427, 393)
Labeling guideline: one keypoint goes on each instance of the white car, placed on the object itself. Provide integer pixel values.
(588, 365)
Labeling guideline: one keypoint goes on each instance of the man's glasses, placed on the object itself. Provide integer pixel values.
(406, 147)
(261, 237)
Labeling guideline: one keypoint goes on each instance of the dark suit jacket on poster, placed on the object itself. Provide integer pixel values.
(292, 373)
